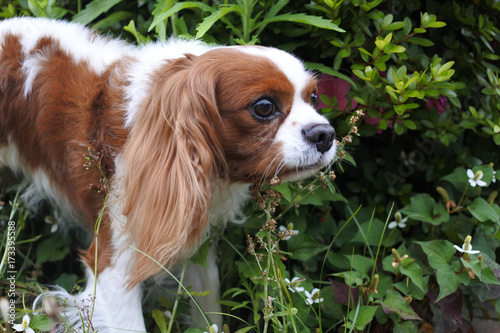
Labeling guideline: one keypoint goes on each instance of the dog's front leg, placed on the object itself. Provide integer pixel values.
(105, 305)
(205, 279)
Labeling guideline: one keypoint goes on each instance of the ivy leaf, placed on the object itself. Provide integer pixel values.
(352, 278)
(481, 270)
(439, 252)
(483, 211)
(304, 247)
(488, 276)
(448, 281)
(360, 263)
(414, 272)
(364, 316)
(420, 208)
(405, 327)
(394, 302)
(423, 208)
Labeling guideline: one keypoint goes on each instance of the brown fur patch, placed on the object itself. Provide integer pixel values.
(69, 109)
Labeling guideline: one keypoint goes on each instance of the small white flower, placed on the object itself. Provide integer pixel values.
(293, 285)
(53, 223)
(398, 221)
(213, 329)
(288, 230)
(24, 326)
(475, 178)
(313, 296)
(494, 179)
(4, 308)
(466, 248)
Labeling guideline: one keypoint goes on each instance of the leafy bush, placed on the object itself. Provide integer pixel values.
(413, 90)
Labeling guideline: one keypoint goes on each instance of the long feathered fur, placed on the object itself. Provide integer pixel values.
(171, 159)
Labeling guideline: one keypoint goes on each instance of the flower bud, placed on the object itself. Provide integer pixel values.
(443, 193)
(492, 197)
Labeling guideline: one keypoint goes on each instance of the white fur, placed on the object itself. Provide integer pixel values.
(297, 152)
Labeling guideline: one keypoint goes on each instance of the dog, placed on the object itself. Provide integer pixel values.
(155, 142)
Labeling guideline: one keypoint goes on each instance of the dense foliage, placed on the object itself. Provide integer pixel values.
(391, 244)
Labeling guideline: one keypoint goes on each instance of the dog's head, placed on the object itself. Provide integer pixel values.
(245, 114)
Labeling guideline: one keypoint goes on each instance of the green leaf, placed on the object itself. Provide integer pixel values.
(304, 247)
(351, 278)
(483, 211)
(437, 24)
(275, 9)
(330, 71)
(474, 265)
(66, 281)
(395, 303)
(409, 124)
(414, 272)
(424, 208)
(439, 214)
(360, 263)
(407, 26)
(177, 8)
(316, 21)
(380, 43)
(439, 252)
(364, 317)
(487, 276)
(420, 41)
(201, 255)
(405, 327)
(209, 21)
(410, 289)
(448, 281)
(400, 109)
(284, 188)
(395, 49)
(159, 318)
(93, 10)
(111, 19)
(41, 322)
(420, 208)
(51, 249)
(138, 36)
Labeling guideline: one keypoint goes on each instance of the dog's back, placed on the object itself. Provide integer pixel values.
(53, 108)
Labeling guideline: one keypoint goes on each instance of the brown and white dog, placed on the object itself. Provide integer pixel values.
(180, 130)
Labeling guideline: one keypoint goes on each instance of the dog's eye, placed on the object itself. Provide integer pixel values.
(264, 108)
(314, 99)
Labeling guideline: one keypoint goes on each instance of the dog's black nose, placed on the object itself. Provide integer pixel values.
(320, 135)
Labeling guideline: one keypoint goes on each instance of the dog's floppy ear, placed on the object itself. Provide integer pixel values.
(171, 158)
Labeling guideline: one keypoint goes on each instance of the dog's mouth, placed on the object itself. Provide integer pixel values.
(301, 172)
